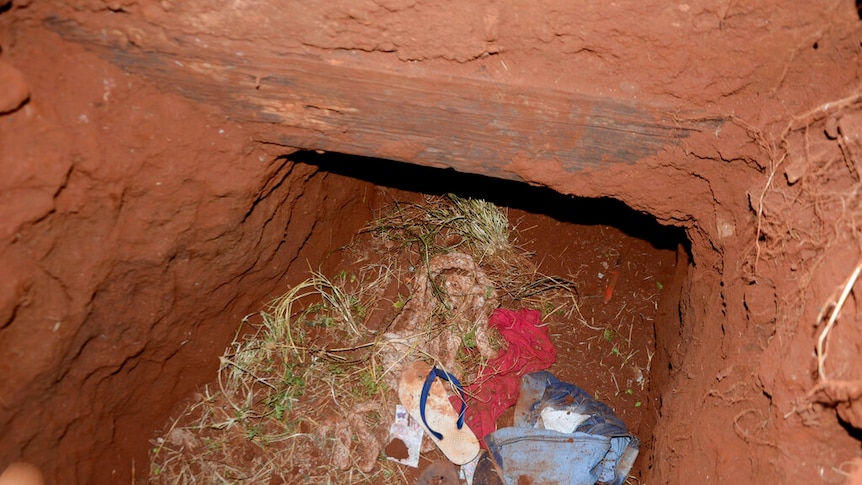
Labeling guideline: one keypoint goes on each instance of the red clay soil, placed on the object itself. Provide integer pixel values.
(138, 226)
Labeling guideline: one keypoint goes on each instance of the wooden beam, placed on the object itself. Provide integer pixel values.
(466, 124)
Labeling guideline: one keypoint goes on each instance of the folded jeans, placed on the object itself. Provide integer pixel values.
(599, 449)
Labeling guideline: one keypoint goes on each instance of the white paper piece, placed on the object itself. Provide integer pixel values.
(406, 429)
(469, 469)
(562, 420)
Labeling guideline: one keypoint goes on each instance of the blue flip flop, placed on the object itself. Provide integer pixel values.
(427, 399)
(423, 398)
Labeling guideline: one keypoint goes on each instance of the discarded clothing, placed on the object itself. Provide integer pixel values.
(562, 435)
(496, 389)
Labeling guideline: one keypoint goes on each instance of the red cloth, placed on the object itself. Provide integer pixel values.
(496, 389)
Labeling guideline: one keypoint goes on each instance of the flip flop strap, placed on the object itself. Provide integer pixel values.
(423, 398)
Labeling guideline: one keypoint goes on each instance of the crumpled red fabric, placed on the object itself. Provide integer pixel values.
(496, 389)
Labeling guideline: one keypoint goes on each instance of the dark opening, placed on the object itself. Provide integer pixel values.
(504, 193)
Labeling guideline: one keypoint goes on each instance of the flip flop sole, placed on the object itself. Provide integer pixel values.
(459, 445)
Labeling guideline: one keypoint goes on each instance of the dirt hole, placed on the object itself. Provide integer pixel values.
(627, 271)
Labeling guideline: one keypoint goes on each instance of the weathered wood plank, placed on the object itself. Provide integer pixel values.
(466, 124)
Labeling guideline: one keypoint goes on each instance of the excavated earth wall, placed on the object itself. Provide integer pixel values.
(139, 221)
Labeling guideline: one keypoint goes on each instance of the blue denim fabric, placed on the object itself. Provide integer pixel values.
(599, 450)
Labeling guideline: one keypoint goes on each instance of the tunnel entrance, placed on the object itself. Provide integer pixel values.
(605, 279)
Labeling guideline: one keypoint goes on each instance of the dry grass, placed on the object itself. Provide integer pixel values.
(273, 385)
(301, 395)
(444, 224)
